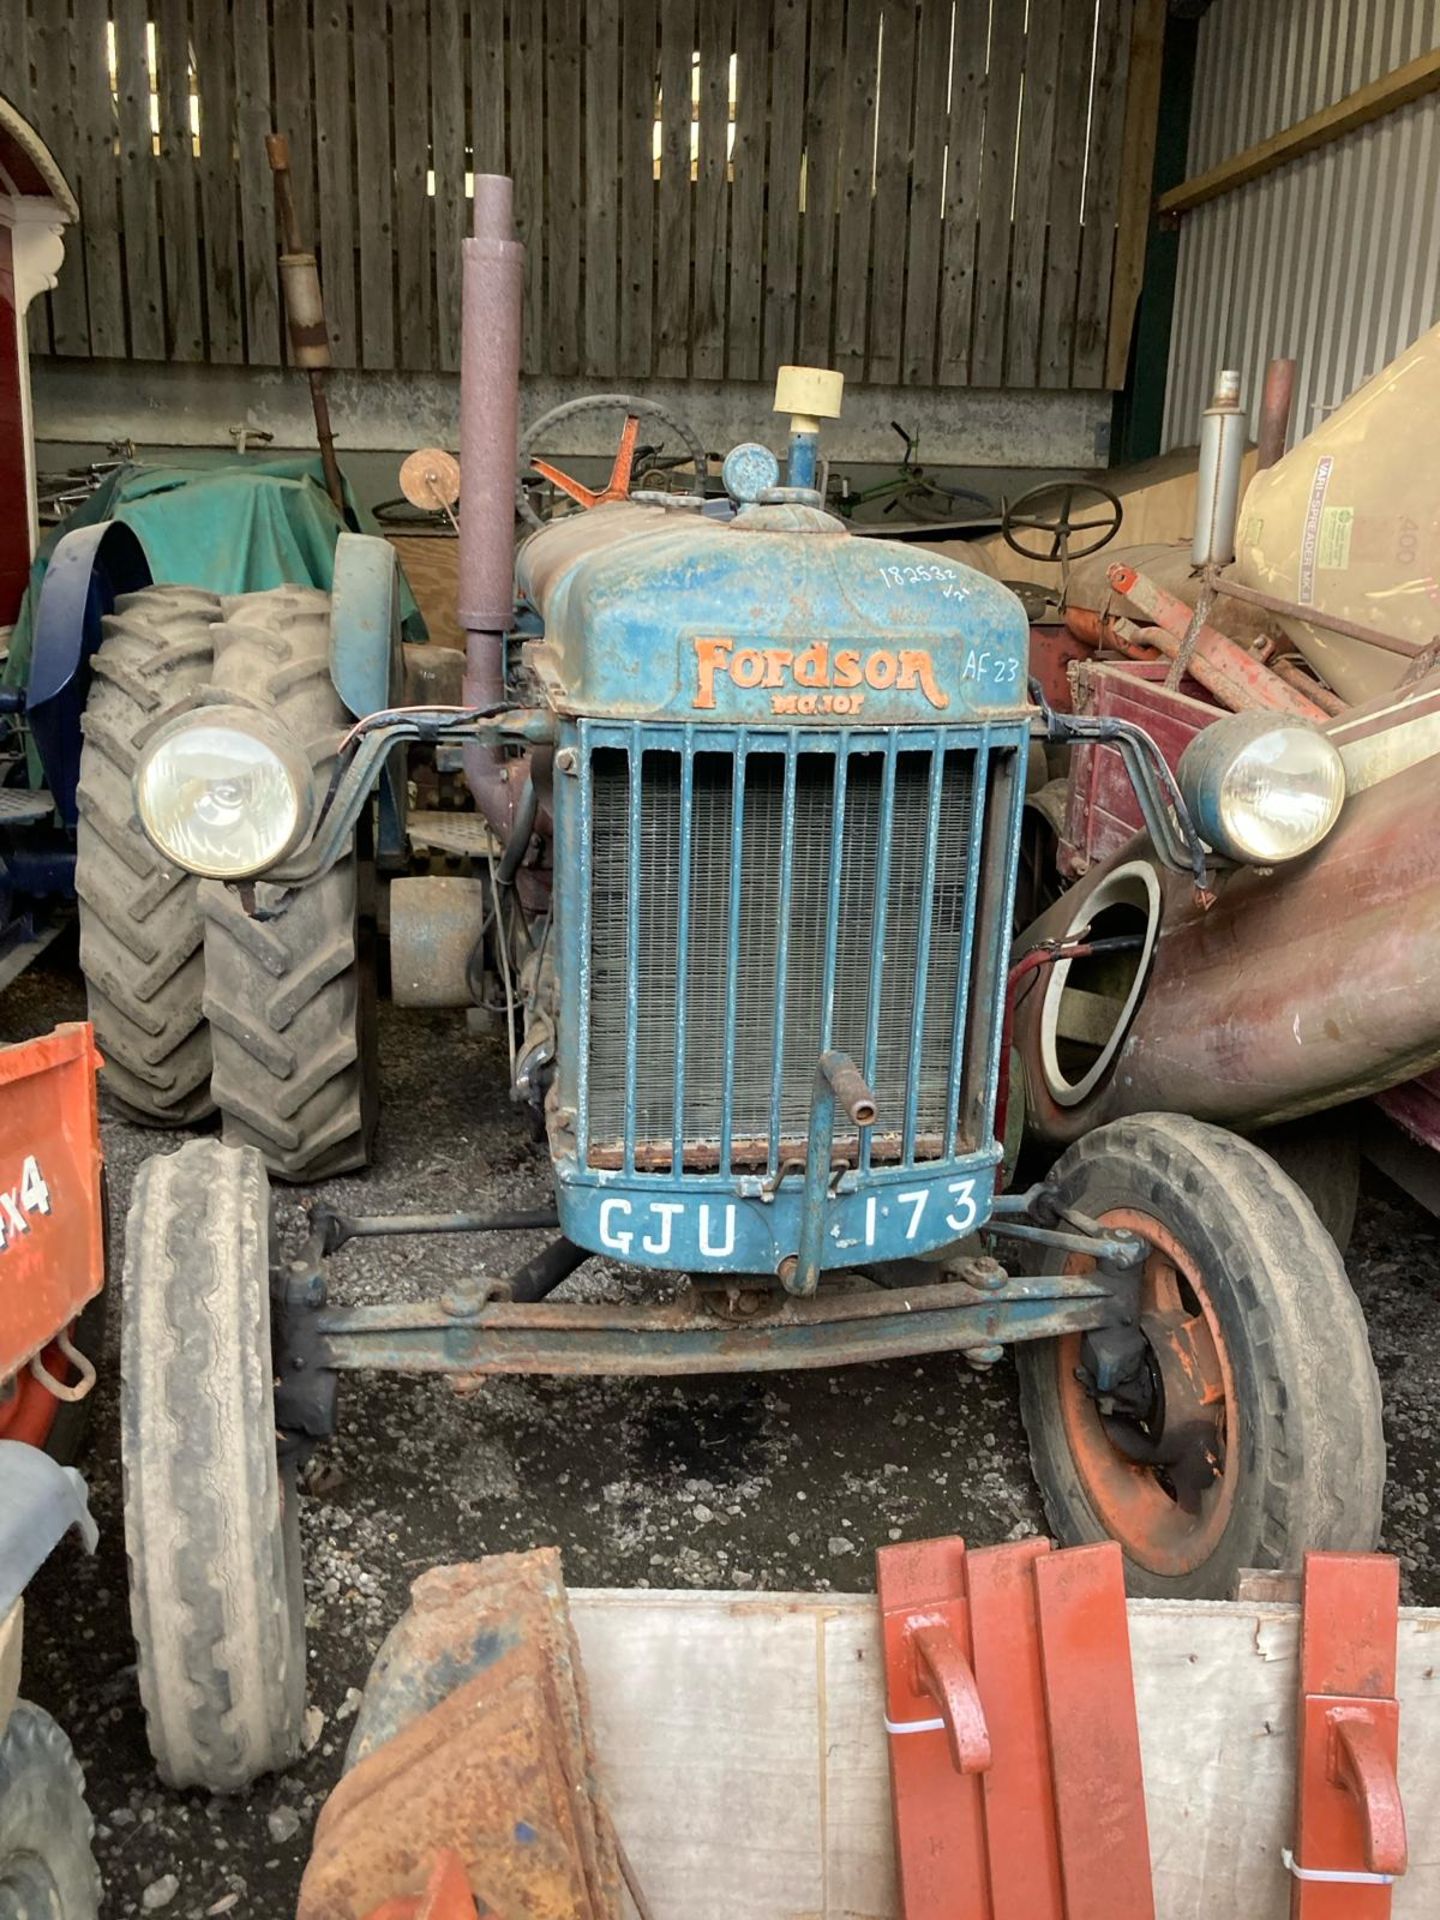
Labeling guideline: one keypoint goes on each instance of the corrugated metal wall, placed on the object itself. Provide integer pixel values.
(1334, 258)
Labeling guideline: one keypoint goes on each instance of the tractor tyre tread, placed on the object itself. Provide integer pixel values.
(44, 1818)
(286, 994)
(140, 928)
(210, 1523)
(1320, 1461)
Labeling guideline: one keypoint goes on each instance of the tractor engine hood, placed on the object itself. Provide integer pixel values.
(779, 615)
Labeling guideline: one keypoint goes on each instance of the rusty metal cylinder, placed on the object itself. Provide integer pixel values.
(435, 922)
(304, 310)
(493, 284)
(494, 273)
(1275, 405)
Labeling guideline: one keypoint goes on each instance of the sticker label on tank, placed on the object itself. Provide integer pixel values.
(818, 678)
(1333, 547)
(1310, 538)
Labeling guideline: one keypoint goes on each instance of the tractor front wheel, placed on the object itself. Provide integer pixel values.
(46, 1866)
(211, 1523)
(1238, 1423)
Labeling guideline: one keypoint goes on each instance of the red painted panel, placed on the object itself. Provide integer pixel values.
(14, 502)
(51, 1245)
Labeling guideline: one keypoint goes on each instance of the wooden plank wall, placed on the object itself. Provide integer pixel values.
(920, 192)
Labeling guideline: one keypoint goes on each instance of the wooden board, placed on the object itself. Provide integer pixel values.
(1067, 173)
(335, 177)
(894, 139)
(822, 186)
(375, 173)
(213, 51)
(927, 179)
(414, 252)
(95, 184)
(51, 48)
(742, 1743)
(747, 190)
(258, 245)
(1102, 193)
(637, 208)
(527, 164)
(179, 213)
(858, 98)
(602, 183)
(997, 190)
(675, 195)
(707, 323)
(788, 22)
(1037, 140)
(962, 193)
(448, 157)
(562, 185)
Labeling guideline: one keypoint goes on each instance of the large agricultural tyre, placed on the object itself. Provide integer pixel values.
(46, 1866)
(211, 1522)
(1251, 1431)
(289, 991)
(140, 928)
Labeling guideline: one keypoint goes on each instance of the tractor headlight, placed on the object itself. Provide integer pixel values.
(223, 792)
(1262, 788)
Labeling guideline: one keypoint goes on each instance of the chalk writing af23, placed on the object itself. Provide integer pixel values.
(735, 1232)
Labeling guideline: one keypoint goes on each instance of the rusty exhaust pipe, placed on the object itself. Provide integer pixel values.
(493, 285)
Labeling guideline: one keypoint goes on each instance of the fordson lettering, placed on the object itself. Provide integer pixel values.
(817, 679)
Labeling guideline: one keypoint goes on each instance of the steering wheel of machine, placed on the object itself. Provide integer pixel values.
(635, 408)
(1051, 510)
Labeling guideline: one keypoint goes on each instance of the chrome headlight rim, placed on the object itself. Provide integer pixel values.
(1241, 751)
(257, 730)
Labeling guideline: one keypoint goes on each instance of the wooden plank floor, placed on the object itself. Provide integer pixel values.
(741, 1739)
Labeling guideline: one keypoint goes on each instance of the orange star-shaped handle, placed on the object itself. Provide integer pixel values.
(618, 486)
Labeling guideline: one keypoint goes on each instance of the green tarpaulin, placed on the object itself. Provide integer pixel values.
(230, 529)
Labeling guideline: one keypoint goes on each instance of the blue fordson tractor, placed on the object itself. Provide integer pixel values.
(751, 792)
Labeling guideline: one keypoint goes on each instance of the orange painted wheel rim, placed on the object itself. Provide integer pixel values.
(1135, 1503)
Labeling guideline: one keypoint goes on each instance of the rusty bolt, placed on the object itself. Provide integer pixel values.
(566, 760)
(788, 1268)
(982, 1357)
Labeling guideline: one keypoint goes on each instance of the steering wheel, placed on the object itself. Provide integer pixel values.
(635, 408)
(1052, 510)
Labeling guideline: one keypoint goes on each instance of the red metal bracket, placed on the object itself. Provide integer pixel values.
(1349, 1820)
(1022, 1798)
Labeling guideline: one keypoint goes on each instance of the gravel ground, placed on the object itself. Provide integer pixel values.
(782, 1483)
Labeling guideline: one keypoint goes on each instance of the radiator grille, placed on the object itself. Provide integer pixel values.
(734, 963)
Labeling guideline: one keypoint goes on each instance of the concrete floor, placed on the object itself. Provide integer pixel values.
(780, 1483)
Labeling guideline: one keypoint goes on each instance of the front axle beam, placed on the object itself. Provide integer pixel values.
(466, 1335)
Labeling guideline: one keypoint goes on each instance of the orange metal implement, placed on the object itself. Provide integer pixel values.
(52, 1257)
(447, 1895)
(1349, 1821)
(1014, 1752)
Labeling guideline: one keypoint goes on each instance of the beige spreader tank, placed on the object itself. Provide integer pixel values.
(1349, 522)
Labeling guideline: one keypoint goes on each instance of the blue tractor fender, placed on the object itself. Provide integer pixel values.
(366, 658)
(40, 1501)
(88, 571)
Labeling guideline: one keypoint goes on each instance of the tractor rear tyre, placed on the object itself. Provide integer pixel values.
(46, 1866)
(211, 1522)
(290, 992)
(1248, 1429)
(140, 928)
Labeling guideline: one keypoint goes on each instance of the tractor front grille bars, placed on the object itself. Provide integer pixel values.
(753, 897)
